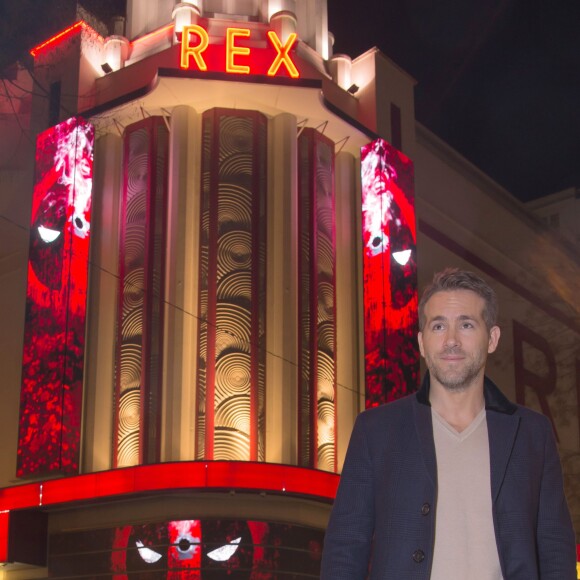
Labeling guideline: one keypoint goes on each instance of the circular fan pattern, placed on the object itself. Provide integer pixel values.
(237, 164)
(235, 286)
(133, 243)
(236, 135)
(234, 321)
(231, 445)
(137, 174)
(235, 205)
(234, 413)
(129, 421)
(326, 338)
(130, 366)
(325, 302)
(325, 262)
(132, 326)
(326, 456)
(234, 251)
(233, 375)
(128, 450)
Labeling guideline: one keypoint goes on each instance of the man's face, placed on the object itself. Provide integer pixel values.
(455, 341)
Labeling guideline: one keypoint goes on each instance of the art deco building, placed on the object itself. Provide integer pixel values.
(209, 267)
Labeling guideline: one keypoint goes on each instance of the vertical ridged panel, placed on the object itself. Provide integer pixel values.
(231, 377)
(142, 247)
(317, 302)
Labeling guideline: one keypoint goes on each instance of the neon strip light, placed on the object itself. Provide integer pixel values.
(63, 35)
(150, 35)
(162, 477)
(4, 528)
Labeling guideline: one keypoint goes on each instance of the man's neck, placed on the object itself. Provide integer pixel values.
(458, 408)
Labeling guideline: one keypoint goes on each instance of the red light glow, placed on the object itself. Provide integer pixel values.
(62, 36)
(233, 57)
(53, 351)
(4, 521)
(389, 273)
(159, 32)
(162, 478)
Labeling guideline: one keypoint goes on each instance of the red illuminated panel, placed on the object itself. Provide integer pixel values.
(162, 479)
(188, 475)
(189, 548)
(4, 524)
(389, 273)
(53, 352)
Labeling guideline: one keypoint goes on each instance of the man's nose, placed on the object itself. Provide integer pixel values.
(451, 338)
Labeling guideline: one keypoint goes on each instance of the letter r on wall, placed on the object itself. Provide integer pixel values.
(542, 385)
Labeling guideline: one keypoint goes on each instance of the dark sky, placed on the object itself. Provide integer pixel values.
(499, 80)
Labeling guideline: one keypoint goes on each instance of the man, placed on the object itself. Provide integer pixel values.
(454, 482)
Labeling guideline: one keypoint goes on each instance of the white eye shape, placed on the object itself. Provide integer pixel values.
(402, 257)
(47, 235)
(225, 552)
(148, 555)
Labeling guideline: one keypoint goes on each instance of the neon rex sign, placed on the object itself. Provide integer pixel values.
(234, 57)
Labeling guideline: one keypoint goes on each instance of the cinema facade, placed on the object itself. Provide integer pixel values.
(212, 268)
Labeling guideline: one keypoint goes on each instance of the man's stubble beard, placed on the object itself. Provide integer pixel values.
(460, 379)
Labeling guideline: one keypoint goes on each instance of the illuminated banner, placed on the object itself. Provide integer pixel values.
(236, 56)
(54, 333)
(389, 273)
(189, 548)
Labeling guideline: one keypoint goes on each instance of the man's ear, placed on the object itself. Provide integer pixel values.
(420, 339)
(494, 335)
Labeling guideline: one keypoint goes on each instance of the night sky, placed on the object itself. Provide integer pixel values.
(499, 80)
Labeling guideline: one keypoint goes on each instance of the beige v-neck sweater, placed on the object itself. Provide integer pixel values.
(465, 546)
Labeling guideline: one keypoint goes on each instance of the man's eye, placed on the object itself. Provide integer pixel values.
(437, 326)
(148, 555)
(225, 552)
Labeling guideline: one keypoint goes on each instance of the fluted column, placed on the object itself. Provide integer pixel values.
(182, 270)
(102, 310)
(348, 300)
(282, 292)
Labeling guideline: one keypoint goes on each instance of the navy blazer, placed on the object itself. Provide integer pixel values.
(382, 524)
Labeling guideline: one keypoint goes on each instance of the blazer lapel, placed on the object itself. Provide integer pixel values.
(424, 426)
(502, 430)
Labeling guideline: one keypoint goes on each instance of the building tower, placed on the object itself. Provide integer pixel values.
(196, 345)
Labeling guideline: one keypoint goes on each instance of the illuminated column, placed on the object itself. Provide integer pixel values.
(185, 14)
(104, 269)
(340, 67)
(348, 299)
(181, 305)
(389, 273)
(284, 24)
(275, 6)
(232, 287)
(317, 302)
(116, 53)
(141, 285)
(282, 293)
(54, 331)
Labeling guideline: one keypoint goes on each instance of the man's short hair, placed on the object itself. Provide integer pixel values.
(455, 279)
